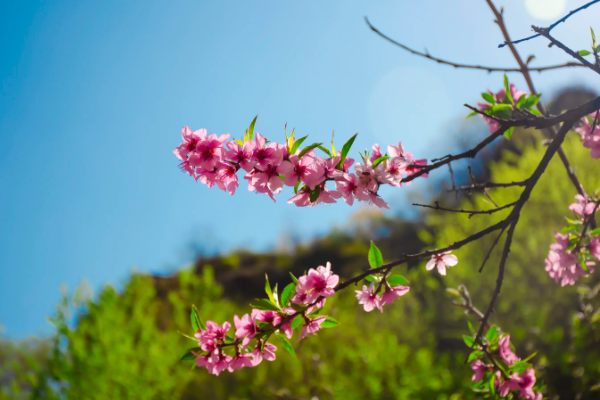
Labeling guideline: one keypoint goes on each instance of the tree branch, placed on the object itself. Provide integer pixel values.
(471, 212)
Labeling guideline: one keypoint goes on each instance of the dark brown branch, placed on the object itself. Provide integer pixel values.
(481, 186)
(471, 212)
(545, 33)
(466, 66)
(549, 132)
(484, 190)
(487, 256)
(515, 214)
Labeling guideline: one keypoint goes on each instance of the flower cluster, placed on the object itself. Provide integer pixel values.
(300, 303)
(589, 129)
(507, 373)
(570, 257)
(504, 104)
(268, 166)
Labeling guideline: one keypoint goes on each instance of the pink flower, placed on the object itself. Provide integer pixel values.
(268, 353)
(220, 362)
(582, 206)
(392, 293)
(595, 247)
(303, 293)
(208, 152)
(376, 152)
(265, 155)
(348, 162)
(442, 260)
(245, 328)
(394, 168)
(227, 177)
(505, 351)
(242, 155)
(287, 329)
(240, 361)
(322, 281)
(190, 141)
(366, 176)
(326, 196)
(562, 265)
(372, 197)
(268, 179)
(368, 298)
(270, 317)
(512, 383)
(294, 169)
(398, 151)
(186, 167)
(523, 384)
(416, 167)
(590, 136)
(329, 167)
(312, 326)
(479, 369)
(348, 186)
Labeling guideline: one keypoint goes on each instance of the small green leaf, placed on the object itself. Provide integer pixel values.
(379, 161)
(375, 257)
(265, 326)
(251, 128)
(333, 145)
(297, 185)
(371, 278)
(468, 340)
(296, 321)
(329, 323)
(268, 290)
(294, 278)
(297, 144)
(189, 356)
(596, 231)
(453, 291)
(507, 91)
(535, 111)
(197, 322)
(287, 294)
(472, 114)
(597, 49)
(346, 150)
(239, 142)
(475, 355)
(264, 305)
(246, 138)
(508, 133)
(593, 37)
(488, 97)
(471, 329)
(492, 333)
(499, 107)
(309, 148)
(530, 357)
(325, 150)
(229, 339)
(584, 53)
(522, 101)
(314, 195)
(396, 280)
(286, 344)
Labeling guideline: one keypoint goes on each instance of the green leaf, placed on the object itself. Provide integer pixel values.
(522, 101)
(264, 305)
(308, 148)
(475, 355)
(314, 195)
(296, 321)
(265, 326)
(229, 339)
(597, 49)
(268, 290)
(530, 357)
(294, 278)
(492, 333)
(453, 291)
(286, 344)
(535, 111)
(333, 145)
(346, 150)
(507, 90)
(329, 323)
(325, 150)
(287, 294)
(396, 280)
(499, 107)
(584, 53)
(246, 138)
(596, 231)
(468, 340)
(472, 114)
(251, 128)
(593, 37)
(531, 101)
(508, 133)
(197, 322)
(375, 257)
(297, 185)
(189, 356)
(379, 161)
(239, 142)
(297, 144)
(471, 329)
(488, 97)
(371, 278)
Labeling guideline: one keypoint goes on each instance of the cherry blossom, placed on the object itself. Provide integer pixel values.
(392, 293)
(442, 261)
(582, 206)
(368, 298)
(479, 370)
(312, 326)
(505, 351)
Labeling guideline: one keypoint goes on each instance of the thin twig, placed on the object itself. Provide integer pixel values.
(545, 33)
(563, 19)
(456, 65)
(471, 212)
(487, 256)
(473, 182)
(485, 185)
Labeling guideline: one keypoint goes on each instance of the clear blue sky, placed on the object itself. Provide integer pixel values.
(94, 95)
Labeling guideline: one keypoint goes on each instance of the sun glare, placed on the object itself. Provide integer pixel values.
(545, 9)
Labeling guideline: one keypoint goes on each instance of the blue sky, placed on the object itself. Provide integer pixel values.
(94, 95)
